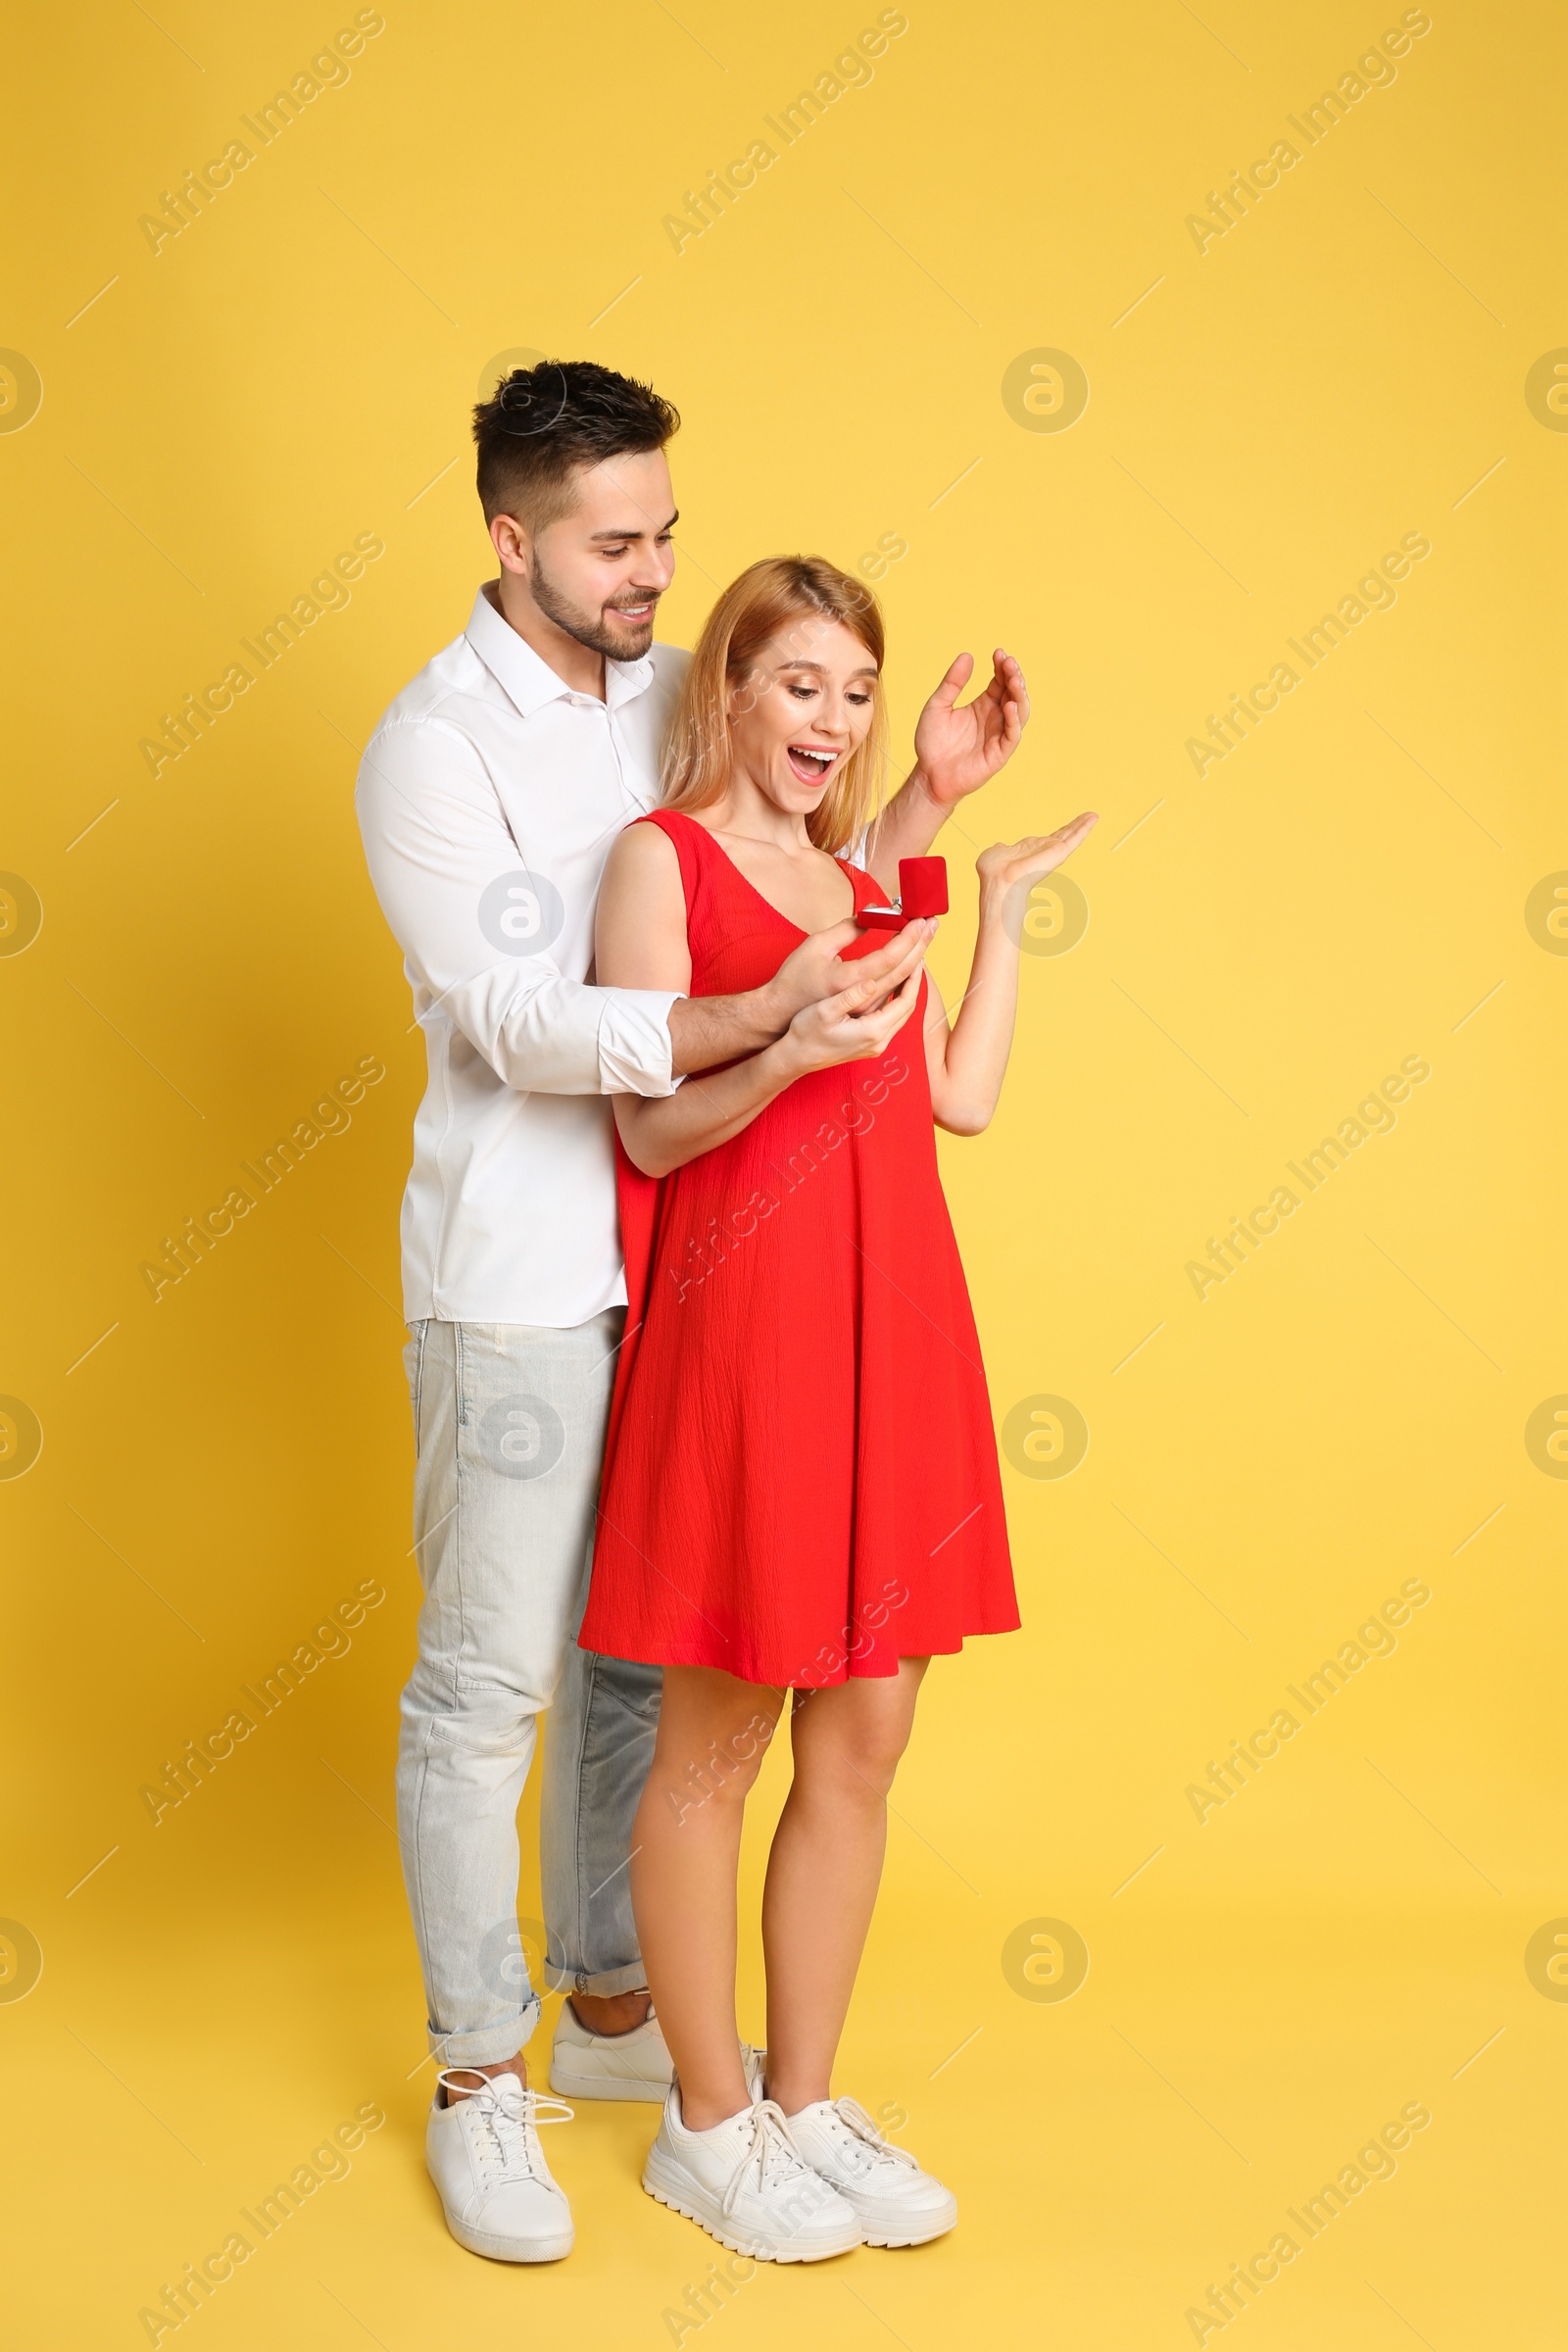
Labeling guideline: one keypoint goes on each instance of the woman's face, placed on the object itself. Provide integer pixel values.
(805, 707)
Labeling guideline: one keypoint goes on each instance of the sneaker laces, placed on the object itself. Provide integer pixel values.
(505, 2117)
(867, 2146)
(772, 2157)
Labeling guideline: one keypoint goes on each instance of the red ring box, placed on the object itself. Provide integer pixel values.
(922, 891)
(922, 887)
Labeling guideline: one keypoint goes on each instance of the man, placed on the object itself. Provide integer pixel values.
(488, 797)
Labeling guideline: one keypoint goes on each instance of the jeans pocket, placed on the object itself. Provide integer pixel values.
(519, 1404)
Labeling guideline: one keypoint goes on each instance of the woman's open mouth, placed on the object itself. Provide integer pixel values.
(812, 761)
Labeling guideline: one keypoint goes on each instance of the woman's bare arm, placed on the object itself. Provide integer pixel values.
(967, 1058)
(705, 1030)
(640, 942)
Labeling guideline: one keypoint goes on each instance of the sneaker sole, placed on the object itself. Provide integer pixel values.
(608, 2086)
(645, 2090)
(921, 2237)
(508, 2249)
(909, 2233)
(681, 2199)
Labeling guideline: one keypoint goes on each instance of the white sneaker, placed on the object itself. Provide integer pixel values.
(897, 2204)
(497, 2191)
(747, 2186)
(622, 2066)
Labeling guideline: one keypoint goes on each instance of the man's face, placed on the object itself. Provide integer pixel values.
(598, 572)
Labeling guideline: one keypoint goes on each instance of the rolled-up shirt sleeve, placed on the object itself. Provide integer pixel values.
(443, 860)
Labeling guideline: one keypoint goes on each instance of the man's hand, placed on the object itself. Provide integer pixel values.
(957, 751)
(828, 1010)
(816, 969)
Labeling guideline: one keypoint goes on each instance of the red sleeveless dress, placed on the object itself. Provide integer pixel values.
(800, 1478)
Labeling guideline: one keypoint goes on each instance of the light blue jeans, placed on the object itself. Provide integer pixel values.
(509, 1431)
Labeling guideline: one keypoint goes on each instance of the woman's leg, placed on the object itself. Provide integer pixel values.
(824, 1870)
(686, 1841)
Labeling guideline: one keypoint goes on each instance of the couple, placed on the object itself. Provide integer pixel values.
(713, 1332)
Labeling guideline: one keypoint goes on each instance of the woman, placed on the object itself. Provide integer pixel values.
(801, 1491)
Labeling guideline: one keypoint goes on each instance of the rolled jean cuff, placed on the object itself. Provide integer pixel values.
(601, 1984)
(487, 2045)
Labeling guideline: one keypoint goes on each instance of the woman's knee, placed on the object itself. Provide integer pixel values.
(856, 1756)
(874, 1758)
(711, 1760)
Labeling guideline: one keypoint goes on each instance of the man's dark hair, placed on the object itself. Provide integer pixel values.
(544, 421)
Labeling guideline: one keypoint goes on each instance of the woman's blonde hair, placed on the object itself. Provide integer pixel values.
(752, 610)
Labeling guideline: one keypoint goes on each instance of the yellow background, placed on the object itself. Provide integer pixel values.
(1343, 891)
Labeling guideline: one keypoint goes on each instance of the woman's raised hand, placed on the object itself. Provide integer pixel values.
(1009, 863)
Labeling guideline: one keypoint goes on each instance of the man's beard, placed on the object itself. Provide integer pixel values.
(588, 628)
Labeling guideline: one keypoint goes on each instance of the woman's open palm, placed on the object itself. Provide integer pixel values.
(1009, 863)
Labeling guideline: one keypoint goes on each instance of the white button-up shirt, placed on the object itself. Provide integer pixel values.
(489, 797)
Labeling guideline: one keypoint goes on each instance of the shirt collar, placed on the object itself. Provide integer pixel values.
(527, 678)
